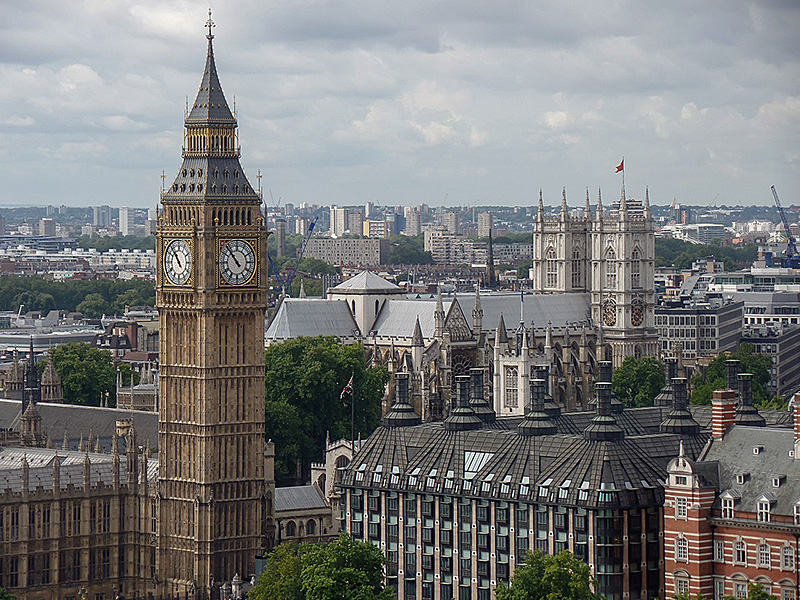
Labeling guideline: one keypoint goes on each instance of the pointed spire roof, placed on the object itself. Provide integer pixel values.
(540, 214)
(588, 208)
(210, 105)
(416, 338)
(564, 207)
(599, 214)
(502, 332)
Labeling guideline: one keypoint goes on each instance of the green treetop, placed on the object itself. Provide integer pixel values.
(546, 577)
(638, 381)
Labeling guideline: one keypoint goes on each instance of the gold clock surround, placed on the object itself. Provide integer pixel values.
(169, 245)
(251, 245)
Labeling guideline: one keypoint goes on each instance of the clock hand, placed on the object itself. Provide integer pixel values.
(238, 264)
(178, 260)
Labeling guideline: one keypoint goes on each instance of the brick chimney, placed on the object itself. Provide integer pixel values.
(723, 412)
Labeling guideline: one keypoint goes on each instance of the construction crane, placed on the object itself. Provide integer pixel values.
(286, 284)
(791, 243)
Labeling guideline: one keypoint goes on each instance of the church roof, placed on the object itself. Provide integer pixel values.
(299, 497)
(309, 317)
(398, 318)
(537, 309)
(366, 282)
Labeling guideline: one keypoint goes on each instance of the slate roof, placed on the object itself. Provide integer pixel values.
(366, 282)
(539, 309)
(40, 468)
(309, 317)
(397, 318)
(210, 104)
(734, 454)
(79, 421)
(299, 497)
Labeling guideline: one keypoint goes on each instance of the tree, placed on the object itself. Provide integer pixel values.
(408, 250)
(38, 301)
(281, 578)
(131, 297)
(546, 577)
(88, 374)
(303, 386)
(94, 306)
(714, 377)
(345, 568)
(5, 595)
(638, 381)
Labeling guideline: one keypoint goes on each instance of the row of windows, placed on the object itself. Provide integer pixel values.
(763, 507)
(763, 554)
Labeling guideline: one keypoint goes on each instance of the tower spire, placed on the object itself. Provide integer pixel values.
(209, 25)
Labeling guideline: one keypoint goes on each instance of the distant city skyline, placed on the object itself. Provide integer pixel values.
(421, 103)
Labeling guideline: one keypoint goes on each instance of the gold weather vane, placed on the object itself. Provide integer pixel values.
(209, 24)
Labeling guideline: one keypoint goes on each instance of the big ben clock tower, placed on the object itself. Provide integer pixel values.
(211, 294)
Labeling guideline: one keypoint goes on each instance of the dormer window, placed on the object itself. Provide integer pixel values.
(184, 172)
(763, 510)
(741, 478)
(758, 450)
(191, 172)
(226, 173)
(777, 480)
(797, 513)
(236, 174)
(727, 508)
(216, 172)
(199, 172)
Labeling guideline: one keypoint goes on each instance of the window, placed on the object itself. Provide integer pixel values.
(681, 585)
(727, 508)
(682, 549)
(636, 268)
(740, 590)
(552, 268)
(577, 269)
(681, 508)
(740, 553)
(763, 511)
(787, 558)
(764, 555)
(512, 398)
(719, 551)
(797, 514)
(788, 594)
(611, 270)
(719, 589)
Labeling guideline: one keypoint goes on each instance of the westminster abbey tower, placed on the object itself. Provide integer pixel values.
(211, 294)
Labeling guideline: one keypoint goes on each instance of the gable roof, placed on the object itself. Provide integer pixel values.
(309, 317)
(537, 309)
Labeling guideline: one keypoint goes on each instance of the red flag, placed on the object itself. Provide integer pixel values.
(348, 389)
(620, 166)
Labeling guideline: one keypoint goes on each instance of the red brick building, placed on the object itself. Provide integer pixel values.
(733, 516)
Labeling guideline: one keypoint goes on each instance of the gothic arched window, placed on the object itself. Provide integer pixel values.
(577, 269)
(636, 268)
(611, 269)
(552, 268)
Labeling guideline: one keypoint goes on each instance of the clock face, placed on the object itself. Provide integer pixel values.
(178, 262)
(610, 313)
(237, 262)
(637, 314)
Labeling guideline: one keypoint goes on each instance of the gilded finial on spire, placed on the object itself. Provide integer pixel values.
(209, 24)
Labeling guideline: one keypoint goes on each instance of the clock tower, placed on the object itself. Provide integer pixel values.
(214, 501)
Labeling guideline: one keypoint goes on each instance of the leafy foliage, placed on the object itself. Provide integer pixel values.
(345, 568)
(88, 373)
(715, 378)
(93, 306)
(546, 577)
(5, 595)
(303, 385)
(638, 381)
(681, 254)
(39, 294)
(408, 250)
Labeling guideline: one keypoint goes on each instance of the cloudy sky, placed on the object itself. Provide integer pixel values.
(467, 102)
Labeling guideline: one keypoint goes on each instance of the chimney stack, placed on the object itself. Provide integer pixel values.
(723, 412)
(746, 412)
(796, 411)
(732, 370)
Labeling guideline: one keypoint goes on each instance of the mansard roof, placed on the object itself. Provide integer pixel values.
(736, 453)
